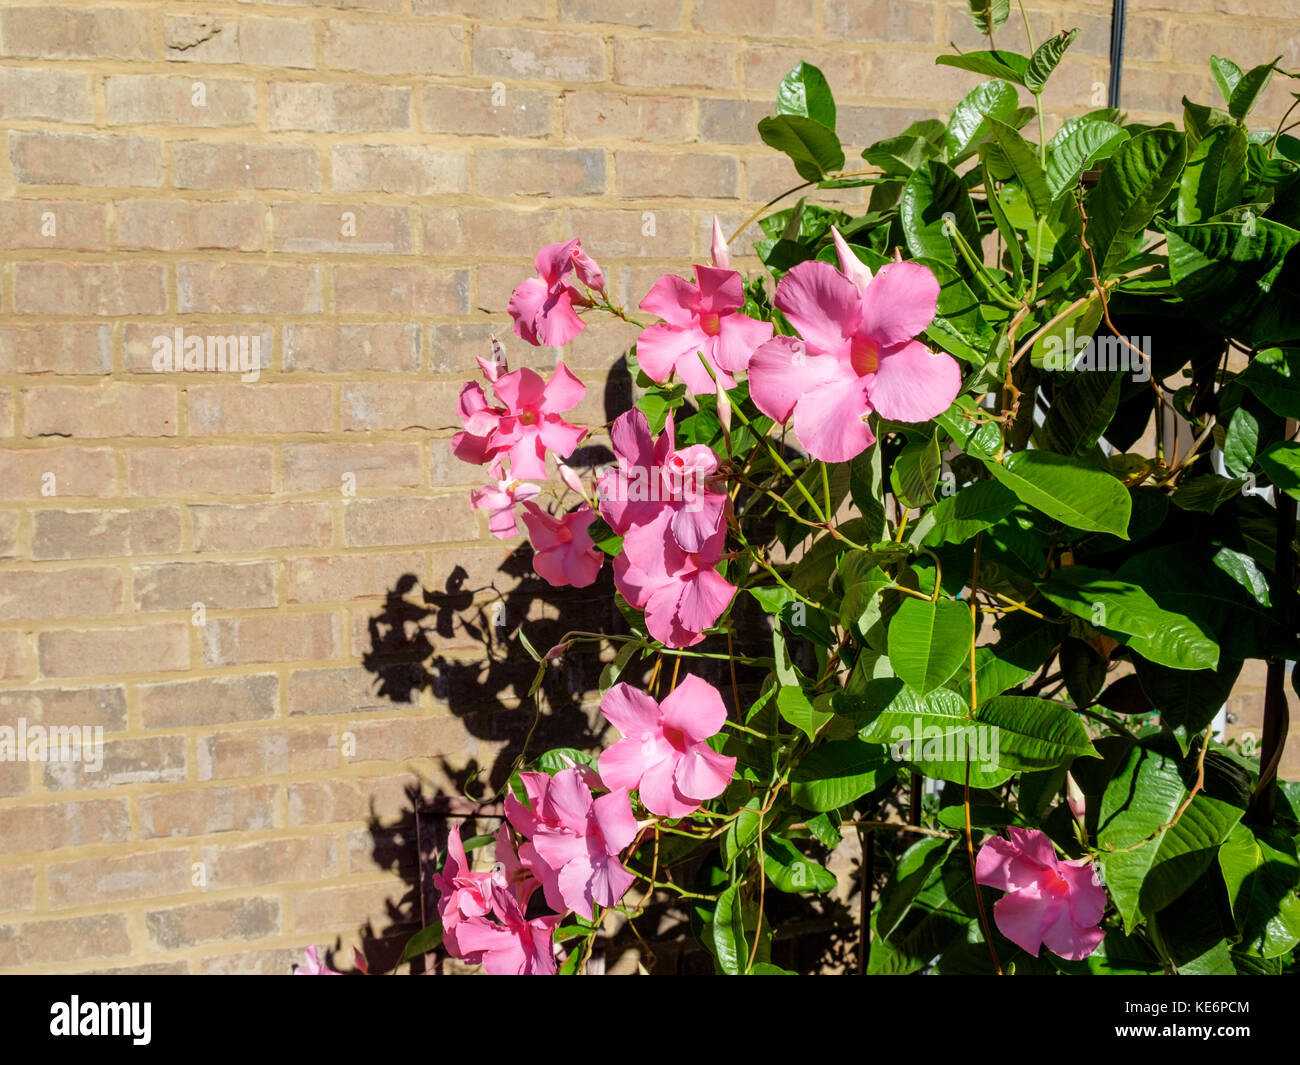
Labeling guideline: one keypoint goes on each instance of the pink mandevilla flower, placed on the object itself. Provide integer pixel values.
(857, 353)
(680, 591)
(465, 894)
(1048, 901)
(499, 501)
(704, 317)
(525, 423)
(542, 306)
(314, 966)
(653, 477)
(663, 751)
(514, 947)
(563, 553)
(574, 839)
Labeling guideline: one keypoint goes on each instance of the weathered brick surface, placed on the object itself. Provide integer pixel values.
(358, 185)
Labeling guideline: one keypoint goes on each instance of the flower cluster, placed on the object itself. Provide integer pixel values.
(577, 824)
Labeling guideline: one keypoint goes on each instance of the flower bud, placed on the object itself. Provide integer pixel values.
(721, 253)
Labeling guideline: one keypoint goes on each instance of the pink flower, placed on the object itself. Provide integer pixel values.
(524, 425)
(465, 894)
(704, 317)
(314, 966)
(574, 839)
(653, 477)
(514, 947)
(563, 553)
(542, 306)
(499, 501)
(680, 591)
(856, 354)
(663, 752)
(1049, 901)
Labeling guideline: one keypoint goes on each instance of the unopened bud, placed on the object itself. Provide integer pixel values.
(571, 479)
(1074, 798)
(724, 408)
(850, 265)
(721, 253)
(555, 652)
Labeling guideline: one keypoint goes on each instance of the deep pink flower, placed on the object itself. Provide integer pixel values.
(514, 947)
(524, 423)
(1048, 901)
(465, 894)
(652, 477)
(680, 591)
(704, 317)
(574, 839)
(663, 752)
(499, 501)
(542, 306)
(856, 354)
(563, 553)
(314, 966)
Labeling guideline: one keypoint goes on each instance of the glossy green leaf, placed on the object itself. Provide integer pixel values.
(1215, 172)
(814, 149)
(1281, 464)
(1132, 187)
(970, 118)
(837, 772)
(1074, 145)
(1067, 489)
(928, 641)
(932, 191)
(1274, 376)
(1247, 91)
(805, 91)
(792, 872)
(800, 712)
(1045, 59)
(1010, 66)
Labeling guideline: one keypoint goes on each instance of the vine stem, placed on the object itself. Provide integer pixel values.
(974, 702)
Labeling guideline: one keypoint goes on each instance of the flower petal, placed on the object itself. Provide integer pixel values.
(703, 773)
(828, 420)
(782, 370)
(695, 708)
(1022, 916)
(913, 384)
(673, 299)
(822, 304)
(899, 303)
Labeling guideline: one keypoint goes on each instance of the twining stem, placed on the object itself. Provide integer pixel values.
(974, 704)
(798, 188)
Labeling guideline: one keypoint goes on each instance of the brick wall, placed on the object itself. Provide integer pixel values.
(238, 580)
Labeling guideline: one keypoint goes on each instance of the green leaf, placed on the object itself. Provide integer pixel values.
(980, 438)
(1261, 876)
(814, 149)
(610, 674)
(1075, 144)
(1034, 733)
(1247, 91)
(1226, 75)
(728, 933)
(1130, 615)
(799, 711)
(899, 156)
(1188, 699)
(1082, 409)
(915, 473)
(915, 869)
(933, 190)
(1237, 278)
(1045, 59)
(1140, 799)
(928, 641)
(989, 15)
(1206, 493)
(1023, 159)
(1010, 237)
(837, 772)
(793, 873)
(1010, 66)
(426, 939)
(1281, 464)
(1274, 377)
(1215, 172)
(1067, 489)
(1132, 187)
(973, 509)
(959, 325)
(989, 99)
(805, 91)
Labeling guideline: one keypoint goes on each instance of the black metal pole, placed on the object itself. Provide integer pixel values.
(1117, 14)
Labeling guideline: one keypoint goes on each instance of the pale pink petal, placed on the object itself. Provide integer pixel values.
(525, 308)
(694, 522)
(913, 384)
(631, 711)
(695, 708)
(702, 773)
(664, 348)
(520, 390)
(1070, 941)
(1033, 845)
(1023, 915)
(528, 457)
(623, 764)
(673, 299)
(660, 794)
(739, 336)
(555, 260)
(563, 391)
(720, 290)
(558, 435)
(899, 303)
(613, 814)
(630, 435)
(568, 802)
(610, 882)
(589, 273)
(1087, 896)
(828, 420)
(822, 304)
(782, 370)
(703, 600)
(993, 863)
(559, 322)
